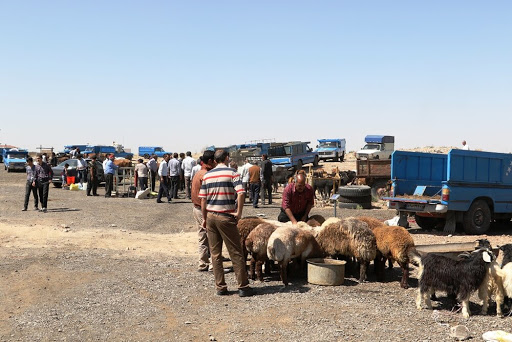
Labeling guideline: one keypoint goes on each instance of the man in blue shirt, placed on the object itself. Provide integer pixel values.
(110, 168)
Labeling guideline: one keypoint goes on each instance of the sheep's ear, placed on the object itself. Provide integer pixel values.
(487, 257)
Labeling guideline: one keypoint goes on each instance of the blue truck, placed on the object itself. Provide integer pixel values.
(333, 149)
(469, 188)
(293, 154)
(148, 151)
(14, 159)
(104, 149)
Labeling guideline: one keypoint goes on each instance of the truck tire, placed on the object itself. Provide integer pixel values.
(355, 191)
(427, 223)
(57, 185)
(146, 156)
(342, 156)
(477, 219)
(358, 200)
(299, 165)
(315, 161)
(366, 205)
(336, 157)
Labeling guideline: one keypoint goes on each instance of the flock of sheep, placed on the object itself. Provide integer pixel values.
(364, 239)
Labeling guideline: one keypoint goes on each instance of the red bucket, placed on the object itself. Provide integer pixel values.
(70, 180)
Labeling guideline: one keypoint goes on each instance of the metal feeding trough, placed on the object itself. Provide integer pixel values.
(326, 271)
(451, 250)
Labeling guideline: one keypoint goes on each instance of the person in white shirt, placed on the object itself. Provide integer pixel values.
(81, 167)
(163, 173)
(153, 170)
(465, 145)
(186, 165)
(196, 168)
(174, 175)
(244, 175)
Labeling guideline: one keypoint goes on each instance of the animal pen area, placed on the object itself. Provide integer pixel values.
(122, 269)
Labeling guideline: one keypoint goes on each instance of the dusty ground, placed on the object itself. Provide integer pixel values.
(121, 269)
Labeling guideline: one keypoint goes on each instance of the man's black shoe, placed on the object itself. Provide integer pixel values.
(158, 201)
(246, 292)
(222, 292)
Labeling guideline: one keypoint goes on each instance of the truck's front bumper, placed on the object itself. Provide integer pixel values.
(416, 207)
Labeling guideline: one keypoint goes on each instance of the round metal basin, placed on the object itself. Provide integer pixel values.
(326, 271)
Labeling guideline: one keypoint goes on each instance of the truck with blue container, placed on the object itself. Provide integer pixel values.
(292, 154)
(377, 147)
(148, 151)
(467, 188)
(14, 159)
(333, 149)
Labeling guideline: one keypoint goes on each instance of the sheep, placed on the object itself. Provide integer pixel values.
(460, 276)
(288, 242)
(245, 226)
(393, 243)
(506, 273)
(256, 244)
(315, 220)
(349, 237)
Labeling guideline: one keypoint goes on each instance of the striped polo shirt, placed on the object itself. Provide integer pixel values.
(220, 187)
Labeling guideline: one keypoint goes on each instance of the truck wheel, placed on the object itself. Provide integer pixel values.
(478, 218)
(342, 157)
(336, 157)
(8, 170)
(376, 157)
(299, 165)
(427, 223)
(355, 191)
(315, 161)
(357, 200)
(146, 156)
(57, 185)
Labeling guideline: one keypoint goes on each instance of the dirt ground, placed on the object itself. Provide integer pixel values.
(121, 269)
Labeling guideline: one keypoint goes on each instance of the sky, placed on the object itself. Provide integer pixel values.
(189, 74)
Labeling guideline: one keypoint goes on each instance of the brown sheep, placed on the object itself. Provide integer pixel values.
(245, 226)
(315, 220)
(348, 237)
(393, 243)
(256, 244)
(288, 242)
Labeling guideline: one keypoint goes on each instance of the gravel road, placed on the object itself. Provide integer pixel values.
(121, 269)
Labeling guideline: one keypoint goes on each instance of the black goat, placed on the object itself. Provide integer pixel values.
(460, 276)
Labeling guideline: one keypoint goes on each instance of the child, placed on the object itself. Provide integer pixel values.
(64, 175)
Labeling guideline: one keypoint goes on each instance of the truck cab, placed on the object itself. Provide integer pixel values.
(333, 149)
(377, 147)
(148, 151)
(293, 154)
(14, 159)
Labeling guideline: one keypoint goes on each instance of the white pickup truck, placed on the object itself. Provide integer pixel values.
(377, 147)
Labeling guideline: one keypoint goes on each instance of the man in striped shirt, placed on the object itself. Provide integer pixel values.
(220, 187)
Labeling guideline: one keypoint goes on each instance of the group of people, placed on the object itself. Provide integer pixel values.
(173, 172)
(218, 196)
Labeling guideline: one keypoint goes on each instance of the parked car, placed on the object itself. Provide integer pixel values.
(57, 171)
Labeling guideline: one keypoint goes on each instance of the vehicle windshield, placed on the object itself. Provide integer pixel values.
(288, 150)
(16, 156)
(328, 144)
(371, 147)
(70, 162)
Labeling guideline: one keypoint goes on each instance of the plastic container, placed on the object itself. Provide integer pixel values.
(70, 180)
(326, 271)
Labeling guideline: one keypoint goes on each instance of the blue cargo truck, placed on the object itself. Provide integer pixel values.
(293, 154)
(470, 188)
(148, 151)
(333, 149)
(14, 159)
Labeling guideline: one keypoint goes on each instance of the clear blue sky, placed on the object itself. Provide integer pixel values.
(188, 74)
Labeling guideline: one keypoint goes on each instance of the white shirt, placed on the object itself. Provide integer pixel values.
(152, 165)
(465, 147)
(244, 172)
(81, 165)
(174, 167)
(187, 164)
(194, 170)
(162, 170)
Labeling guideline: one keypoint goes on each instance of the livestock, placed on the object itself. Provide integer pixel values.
(325, 186)
(349, 237)
(506, 272)
(281, 176)
(245, 226)
(122, 162)
(393, 243)
(461, 276)
(315, 220)
(288, 242)
(347, 177)
(256, 243)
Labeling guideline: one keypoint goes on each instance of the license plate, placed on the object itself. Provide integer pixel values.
(414, 206)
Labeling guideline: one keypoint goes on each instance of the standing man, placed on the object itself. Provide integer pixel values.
(81, 167)
(93, 181)
(255, 184)
(298, 199)
(163, 173)
(244, 174)
(30, 187)
(109, 170)
(199, 166)
(266, 176)
(142, 174)
(174, 175)
(220, 217)
(187, 164)
(197, 181)
(464, 145)
(42, 178)
(153, 170)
